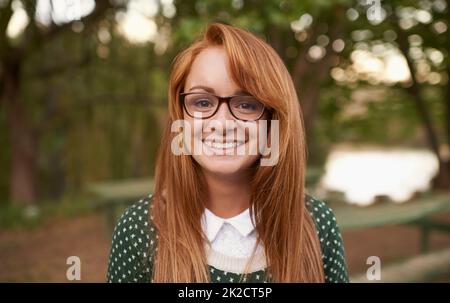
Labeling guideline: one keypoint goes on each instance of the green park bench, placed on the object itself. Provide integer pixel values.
(112, 198)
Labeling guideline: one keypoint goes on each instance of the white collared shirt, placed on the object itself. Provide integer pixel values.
(233, 237)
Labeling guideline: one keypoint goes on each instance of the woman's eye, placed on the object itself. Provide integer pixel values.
(203, 103)
(246, 106)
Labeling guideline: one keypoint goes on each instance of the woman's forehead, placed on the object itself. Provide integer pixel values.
(210, 69)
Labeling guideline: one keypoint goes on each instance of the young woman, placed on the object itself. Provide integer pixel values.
(220, 215)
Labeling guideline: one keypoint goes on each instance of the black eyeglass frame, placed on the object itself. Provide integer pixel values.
(221, 99)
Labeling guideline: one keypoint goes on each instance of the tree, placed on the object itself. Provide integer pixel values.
(13, 54)
(433, 38)
(419, 31)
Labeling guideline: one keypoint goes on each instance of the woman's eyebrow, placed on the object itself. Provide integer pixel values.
(211, 90)
(205, 88)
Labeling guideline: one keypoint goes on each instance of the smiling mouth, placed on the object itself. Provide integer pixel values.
(224, 145)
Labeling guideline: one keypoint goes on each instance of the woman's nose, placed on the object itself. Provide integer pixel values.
(223, 113)
(222, 123)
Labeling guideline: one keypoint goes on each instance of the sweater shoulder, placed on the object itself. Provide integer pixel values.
(323, 217)
(136, 220)
(319, 210)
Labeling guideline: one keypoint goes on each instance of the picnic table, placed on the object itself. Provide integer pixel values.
(113, 197)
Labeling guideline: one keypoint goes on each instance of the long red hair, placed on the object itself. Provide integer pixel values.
(282, 221)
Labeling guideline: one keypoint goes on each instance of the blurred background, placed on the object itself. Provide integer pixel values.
(83, 87)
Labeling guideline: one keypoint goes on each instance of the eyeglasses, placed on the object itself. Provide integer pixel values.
(205, 105)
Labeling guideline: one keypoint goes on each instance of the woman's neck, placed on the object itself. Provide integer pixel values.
(228, 196)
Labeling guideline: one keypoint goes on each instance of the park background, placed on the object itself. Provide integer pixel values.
(83, 97)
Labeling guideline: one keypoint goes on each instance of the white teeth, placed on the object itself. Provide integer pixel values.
(223, 145)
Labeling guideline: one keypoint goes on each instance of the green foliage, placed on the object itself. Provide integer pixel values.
(100, 117)
(14, 216)
(97, 120)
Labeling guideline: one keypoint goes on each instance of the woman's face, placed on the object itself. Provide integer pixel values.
(228, 145)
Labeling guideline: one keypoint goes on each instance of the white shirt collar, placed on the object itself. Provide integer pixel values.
(211, 223)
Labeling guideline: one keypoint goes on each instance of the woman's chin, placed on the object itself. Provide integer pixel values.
(224, 165)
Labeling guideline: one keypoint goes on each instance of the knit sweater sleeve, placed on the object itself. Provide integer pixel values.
(129, 259)
(332, 245)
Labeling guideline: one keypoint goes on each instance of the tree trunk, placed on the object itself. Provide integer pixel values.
(23, 185)
(442, 179)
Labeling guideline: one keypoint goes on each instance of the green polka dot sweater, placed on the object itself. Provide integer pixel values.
(134, 245)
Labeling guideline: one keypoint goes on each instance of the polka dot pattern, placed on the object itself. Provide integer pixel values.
(331, 243)
(134, 244)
